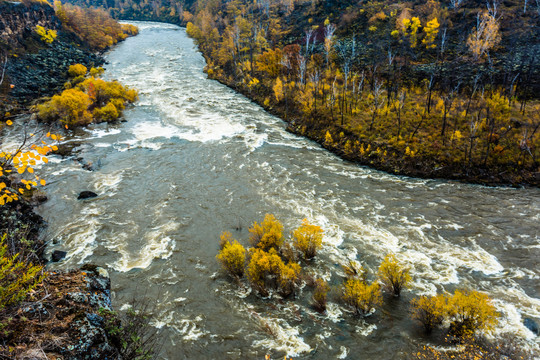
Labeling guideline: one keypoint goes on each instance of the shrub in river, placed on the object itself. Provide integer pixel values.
(430, 311)
(232, 255)
(320, 294)
(467, 311)
(361, 296)
(308, 239)
(268, 234)
(393, 275)
(263, 268)
(17, 278)
(289, 277)
(470, 311)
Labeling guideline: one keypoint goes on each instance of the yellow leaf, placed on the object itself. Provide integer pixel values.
(21, 169)
(30, 170)
(21, 191)
(42, 182)
(9, 123)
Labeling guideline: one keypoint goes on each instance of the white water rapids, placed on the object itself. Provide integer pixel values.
(195, 158)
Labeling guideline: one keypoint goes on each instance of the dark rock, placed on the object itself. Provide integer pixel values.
(95, 319)
(89, 267)
(86, 195)
(531, 325)
(58, 255)
(98, 283)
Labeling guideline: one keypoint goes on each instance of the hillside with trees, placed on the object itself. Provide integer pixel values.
(424, 88)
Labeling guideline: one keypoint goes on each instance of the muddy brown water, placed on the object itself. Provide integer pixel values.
(195, 158)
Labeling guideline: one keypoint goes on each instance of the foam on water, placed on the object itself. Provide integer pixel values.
(284, 337)
(157, 246)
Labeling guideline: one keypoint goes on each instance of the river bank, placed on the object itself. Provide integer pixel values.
(348, 146)
(68, 315)
(200, 159)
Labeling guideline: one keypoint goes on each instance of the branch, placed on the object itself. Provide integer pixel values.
(3, 70)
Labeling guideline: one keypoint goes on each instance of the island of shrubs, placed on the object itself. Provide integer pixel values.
(273, 263)
(87, 99)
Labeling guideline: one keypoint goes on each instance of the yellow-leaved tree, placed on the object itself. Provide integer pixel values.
(484, 36)
(410, 28)
(431, 30)
(22, 160)
(360, 295)
(308, 239)
(393, 274)
(470, 311)
(232, 255)
(430, 311)
(268, 234)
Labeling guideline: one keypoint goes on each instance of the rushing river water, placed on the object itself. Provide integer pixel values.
(195, 159)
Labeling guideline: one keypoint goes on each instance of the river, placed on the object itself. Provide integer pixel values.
(195, 158)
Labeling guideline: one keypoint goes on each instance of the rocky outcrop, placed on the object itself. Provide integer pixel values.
(69, 321)
(32, 67)
(18, 21)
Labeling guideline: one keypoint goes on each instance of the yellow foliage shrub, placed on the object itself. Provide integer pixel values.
(470, 311)
(95, 72)
(232, 256)
(77, 70)
(47, 35)
(289, 277)
(268, 234)
(263, 265)
(430, 311)
(17, 278)
(320, 294)
(106, 113)
(393, 275)
(70, 107)
(361, 296)
(308, 239)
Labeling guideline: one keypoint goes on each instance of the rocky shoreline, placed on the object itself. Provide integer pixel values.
(34, 69)
(69, 315)
(418, 167)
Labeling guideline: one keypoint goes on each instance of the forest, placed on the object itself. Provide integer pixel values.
(422, 88)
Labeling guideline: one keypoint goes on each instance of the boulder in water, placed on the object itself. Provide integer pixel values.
(531, 325)
(58, 255)
(86, 195)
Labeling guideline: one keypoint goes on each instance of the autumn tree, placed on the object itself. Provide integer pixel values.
(77, 70)
(308, 239)
(361, 296)
(393, 274)
(232, 255)
(430, 311)
(431, 30)
(484, 36)
(268, 234)
(70, 107)
(470, 311)
(320, 294)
